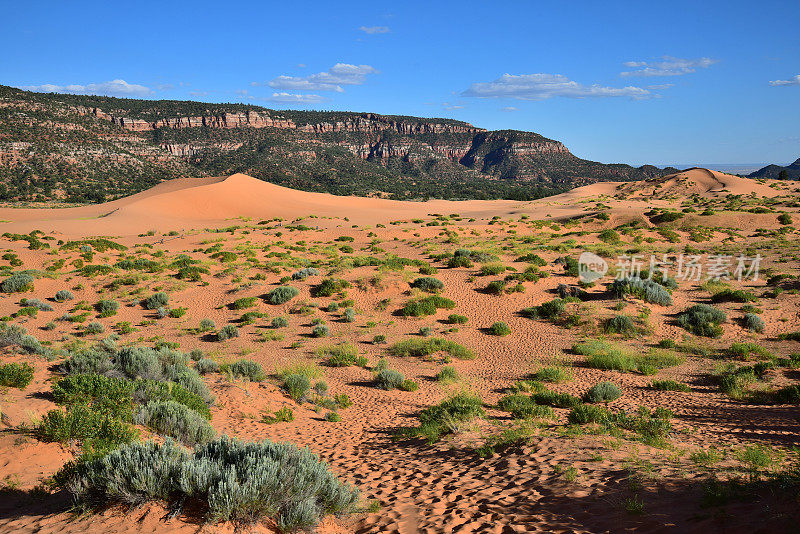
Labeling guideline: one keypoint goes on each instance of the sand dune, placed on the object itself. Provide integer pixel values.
(697, 181)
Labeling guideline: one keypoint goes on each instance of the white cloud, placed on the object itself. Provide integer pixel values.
(112, 88)
(544, 86)
(660, 86)
(794, 80)
(331, 80)
(508, 109)
(448, 105)
(667, 66)
(291, 98)
(165, 87)
(371, 30)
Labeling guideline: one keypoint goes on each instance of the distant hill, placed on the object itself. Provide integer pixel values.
(92, 149)
(775, 171)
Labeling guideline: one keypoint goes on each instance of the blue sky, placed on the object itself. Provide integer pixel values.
(633, 82)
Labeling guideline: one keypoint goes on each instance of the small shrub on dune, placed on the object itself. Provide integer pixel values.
(620, 324)
(647, 290)
(248, 369)
(283, 415)
(342, 355)
(554, 374)
(733, 295)
(176, 421)
(206, 366)
(349, 315)
(703, 320)
(496, 287)
(155, 301)
(279, 322)
(107, 308)
(523, 407)
(611, 356)
(587, 413)
(294, 487)
(333, 417)
(227, 332)
(63, 295)
(550, 310)
(753, 322)
(282, 294)
(428, 284)
(94, 429)
(734, 381)
(426, 306)
(389, 379)
(459, 261)
(749, 351)
(302, 274)
(421, 348)
(207, 325)
(15, 375)
(244, 302)
(320, 330)
(492, 269)
(449, 416)
(454, 318)
(604, 391)
(447, 375)
(93, 328)
(297, 386)
(17, 283)
(36, 303)
(330, 286)
(499, 329)
(557, 400)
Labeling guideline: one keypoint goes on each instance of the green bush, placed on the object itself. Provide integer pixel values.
(733, 295)
(244, 302)
(492, 269)
(703, 320)
(94, 328)
(555, 374)
(669, 385)
(604, 355)
(63, 295)
(227, 332)
(319, 330)
(523, 407)
(282, 294)
(206, 366)
(294, 487)
(647, 290)
(17, 283)
(333, 417)
(620, 324)
(421, 348)
(389, 379)
(753, 322)
(349, 315)
(249, 369)
(604, 391)
(550, 310)
(279, 322)
(447, 374)
(155, 301)
(749, 351)
(175, 420)
(454, 318)
(297, 386)
(557, 400)
(447, 416)
(207, 325)
(428, 284)
(499, 329)
(426, 306)
(587, 413)
(342, 355)
(107, 308)
(94, 429)
(15, 375)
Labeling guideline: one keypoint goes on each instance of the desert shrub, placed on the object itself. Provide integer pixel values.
(499, 329)
(647, 290)
(620, 324)
(454, 318)
(155, 301)
(175, 420)
(63, 295)
(302, 274)
(94, 429)
(609, 236)
(282, 294)
(349, 315)
(342, 355)
(107, 308)
(279, 322)
(734, 381)
(496, 287)
(249, 369)
(555, 374)
(297, 386)
(447, 374)
(294, 487)
(94, 328)
(587, 413)
(320, 330)
(557, 400)
(16, 375)
(409, 385)
(17, 283)
(428, 284)
(670, 385)
(330, 286)
(459, 261)
(749, 351)
(703, 320)
(36, 303)
(283, 415)
(604, 391)
(207, 325)
(604, 355)
(333, 417)
(244, 302)
(532, 258)
(666, 216)
(753, 322)
(206, 366)
(787, 395)
(227, 332)
(733, 295)
(550, 310)
(426, 306)
(389, 379)
(492, 269)
(448, 416)
(421, 348)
